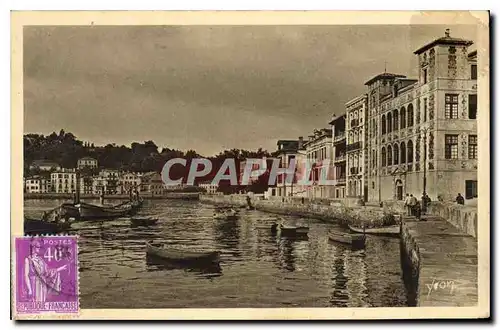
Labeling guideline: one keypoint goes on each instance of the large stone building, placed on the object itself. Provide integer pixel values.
(319, 150)
(38, 185)
(356, 114)
(339, 155)
(288, 151)
(63, 180)
(422, 133)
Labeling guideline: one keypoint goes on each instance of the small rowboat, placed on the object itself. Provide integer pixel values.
(143, 221)
(289, 230)
(388, 230)
(356, 241)
(159, 250)
(226, 215)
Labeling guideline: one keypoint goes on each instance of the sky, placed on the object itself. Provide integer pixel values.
(207, 88)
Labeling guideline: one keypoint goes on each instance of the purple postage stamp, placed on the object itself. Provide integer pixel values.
(46, 274)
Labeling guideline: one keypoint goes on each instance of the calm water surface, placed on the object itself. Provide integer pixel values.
(257, 269)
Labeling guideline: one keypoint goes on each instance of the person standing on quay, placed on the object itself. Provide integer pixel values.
(413, 204)
(407, 205)
(426, 201)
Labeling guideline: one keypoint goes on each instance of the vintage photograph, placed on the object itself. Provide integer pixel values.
(251, 166)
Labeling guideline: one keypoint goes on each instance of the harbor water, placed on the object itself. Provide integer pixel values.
(257, 269)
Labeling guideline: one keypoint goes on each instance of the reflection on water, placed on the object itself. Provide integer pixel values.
(257, 269)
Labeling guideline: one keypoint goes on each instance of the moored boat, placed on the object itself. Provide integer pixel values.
(356, 241)
(227, 214)
(40, 227)
(388, 230)
(91, 211)
(289, 230)
(136, 221)
(159, 250)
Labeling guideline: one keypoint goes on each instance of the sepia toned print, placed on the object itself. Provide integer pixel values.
(228, 170)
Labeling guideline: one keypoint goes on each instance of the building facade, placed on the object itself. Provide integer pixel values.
(288, 151)
(422, 132)
(356, 114)
(209, 187)
(63, 181)
(319, 151)
(151, 184)
(38, 185)
(44, 165)
(128, 181)
(87, 162)
(338, 125)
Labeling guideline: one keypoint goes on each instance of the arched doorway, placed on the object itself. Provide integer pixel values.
(399, 190)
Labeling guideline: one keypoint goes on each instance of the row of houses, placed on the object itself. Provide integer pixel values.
(54, 179)
(109, 181)
(401, 136)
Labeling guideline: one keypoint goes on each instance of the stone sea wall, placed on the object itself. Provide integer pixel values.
(327, 210)
(462, 217)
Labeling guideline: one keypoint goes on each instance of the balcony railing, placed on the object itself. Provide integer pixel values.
(340, 158)
(354, 170)
(339, 137)
(341, 180)
(354, 146)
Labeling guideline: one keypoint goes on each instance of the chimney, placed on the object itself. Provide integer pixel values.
(301, 142)
(447, 33)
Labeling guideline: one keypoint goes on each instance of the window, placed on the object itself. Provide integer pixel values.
(472, 146)
(470, 189)
(410, 151)
(425, 110)
(383, 157)
(396, 154)
(402, 118)
(410, 115)
(403, 153)
(383, 124)
(451, 146)
(472, 106)
(425, 76)
(395, 120)
(389, 122)
(451, 106)
(473, 71)
(389, 155)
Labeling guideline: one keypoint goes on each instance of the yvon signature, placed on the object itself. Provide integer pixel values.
(441, 285)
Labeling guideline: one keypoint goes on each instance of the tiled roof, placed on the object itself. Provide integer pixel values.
(385, 75)
(444, 41)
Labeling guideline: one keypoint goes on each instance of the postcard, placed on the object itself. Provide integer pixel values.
(250, 165)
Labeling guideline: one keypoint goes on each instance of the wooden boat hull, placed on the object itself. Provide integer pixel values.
(39, 227)
(389, 230)
(356, 241)
(90, 211)
(290, 231)
(143, 221)
(181, 256)
(157, 263)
